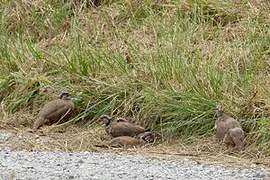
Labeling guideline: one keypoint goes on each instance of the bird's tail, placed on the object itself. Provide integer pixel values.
(39, 122)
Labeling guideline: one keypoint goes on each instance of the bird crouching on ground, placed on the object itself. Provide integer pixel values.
(127, 141)
(228, 129)
(121, 127)
(55, 111)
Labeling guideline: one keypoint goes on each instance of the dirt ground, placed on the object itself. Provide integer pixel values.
(15, 134)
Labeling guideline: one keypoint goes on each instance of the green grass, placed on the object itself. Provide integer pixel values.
(185, 57)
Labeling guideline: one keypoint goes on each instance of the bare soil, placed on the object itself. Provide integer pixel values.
(16, 134)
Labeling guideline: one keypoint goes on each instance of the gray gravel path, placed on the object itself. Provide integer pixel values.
(90, 165)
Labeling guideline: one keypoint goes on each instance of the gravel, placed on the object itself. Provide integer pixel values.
(91, 165)
(4, 136)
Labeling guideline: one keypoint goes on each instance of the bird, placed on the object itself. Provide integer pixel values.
(228, 129)
(55, 111)
(223, 122)
(121, 127)
(127, 141)
(124, 141)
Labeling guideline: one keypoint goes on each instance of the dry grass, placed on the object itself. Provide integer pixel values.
(73, 138)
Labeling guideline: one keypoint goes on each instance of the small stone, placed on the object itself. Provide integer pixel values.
(80, 161)
(71, 177)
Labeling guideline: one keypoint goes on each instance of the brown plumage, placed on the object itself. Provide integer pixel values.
(127, 141)
(121, 127)
(228, 129)
(124, 141)
(54, 111)
(224, 123)
(235, 138)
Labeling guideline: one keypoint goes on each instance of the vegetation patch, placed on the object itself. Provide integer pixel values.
(165, 64)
